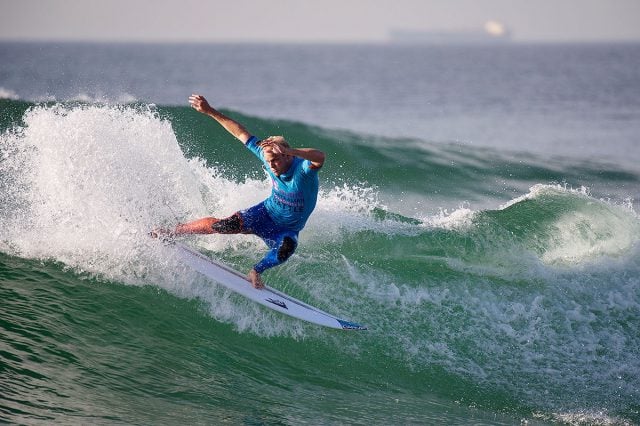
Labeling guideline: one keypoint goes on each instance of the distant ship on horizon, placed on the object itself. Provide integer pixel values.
(492, 32)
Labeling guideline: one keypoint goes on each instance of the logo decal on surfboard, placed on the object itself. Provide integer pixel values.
(277, 303)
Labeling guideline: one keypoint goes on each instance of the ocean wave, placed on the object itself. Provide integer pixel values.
(113, 172)
(536, 297)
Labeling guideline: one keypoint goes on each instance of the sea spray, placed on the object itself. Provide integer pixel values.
(536, 298)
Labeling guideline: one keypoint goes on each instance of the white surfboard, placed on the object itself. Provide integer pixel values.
(269, 297)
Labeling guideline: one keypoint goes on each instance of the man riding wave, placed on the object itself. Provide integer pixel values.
(279, 218)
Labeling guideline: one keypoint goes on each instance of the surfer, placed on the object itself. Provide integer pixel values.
(279, 218)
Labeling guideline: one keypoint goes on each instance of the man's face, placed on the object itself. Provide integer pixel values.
(278, 163)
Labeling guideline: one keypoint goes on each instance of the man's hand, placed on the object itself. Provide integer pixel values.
(275, 147)
(200, 104)
(315, 156)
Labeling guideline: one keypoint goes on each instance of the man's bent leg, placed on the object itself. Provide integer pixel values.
(211, 225)
(279, 252)
(200, 226)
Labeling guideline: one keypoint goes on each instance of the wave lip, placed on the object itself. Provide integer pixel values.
(568, 226)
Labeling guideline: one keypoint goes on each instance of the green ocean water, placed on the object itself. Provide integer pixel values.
(498, 287)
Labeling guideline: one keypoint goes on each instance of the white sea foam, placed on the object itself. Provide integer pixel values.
(86, 183)
(8, 94)
(457, 219)
(588, 418)
(101, 98)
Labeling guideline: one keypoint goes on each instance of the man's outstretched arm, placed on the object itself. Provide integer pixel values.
(200, 104)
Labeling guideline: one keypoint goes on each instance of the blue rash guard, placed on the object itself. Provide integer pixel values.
(279, 218)
(293, 194)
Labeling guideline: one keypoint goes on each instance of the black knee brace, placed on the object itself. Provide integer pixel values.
(286, 249)
(230, 225)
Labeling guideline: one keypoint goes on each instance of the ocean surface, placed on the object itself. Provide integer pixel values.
(478, 212)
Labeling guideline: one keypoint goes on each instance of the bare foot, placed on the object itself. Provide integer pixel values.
(162, 233)
(256, 279)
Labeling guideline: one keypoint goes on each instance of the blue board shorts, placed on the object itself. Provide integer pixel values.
(282, 242)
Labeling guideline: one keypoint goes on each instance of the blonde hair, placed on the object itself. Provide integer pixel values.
(278, 140)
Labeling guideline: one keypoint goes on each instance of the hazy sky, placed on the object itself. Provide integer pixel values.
(312, 20)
